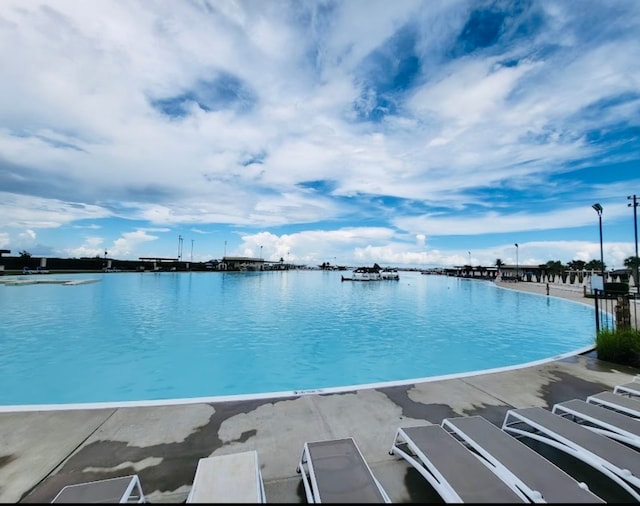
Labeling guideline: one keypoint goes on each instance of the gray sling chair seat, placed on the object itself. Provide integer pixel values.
(631, 388)
(619, 426)
(453, 471)
(516, 463)
(335, 471)
(125, 489)
(613, 459)
(617, 402)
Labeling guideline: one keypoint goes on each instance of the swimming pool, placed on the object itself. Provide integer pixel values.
(164, 336)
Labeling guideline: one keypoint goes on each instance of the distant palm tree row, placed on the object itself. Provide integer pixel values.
(557, 267)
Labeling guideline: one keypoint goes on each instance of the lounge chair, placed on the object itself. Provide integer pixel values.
(619, 426)
(231, 478)
(613, 459)
(335, 471)
(632, 388)
(125, 489)
(456, 473)
(517, 464)
(617, 402)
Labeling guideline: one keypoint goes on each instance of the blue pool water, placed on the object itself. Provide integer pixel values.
(157, 336)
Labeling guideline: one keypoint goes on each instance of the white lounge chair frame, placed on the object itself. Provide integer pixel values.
(124, 489)
(518, 464)
(602, 420)
(454, 470)
(617, 402)
(631, 388)
(525, 423)
(229, 478)
(349, 465)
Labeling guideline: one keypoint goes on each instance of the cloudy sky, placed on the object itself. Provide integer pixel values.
(405, 132)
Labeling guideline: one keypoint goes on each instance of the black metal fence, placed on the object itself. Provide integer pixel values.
(615, 310)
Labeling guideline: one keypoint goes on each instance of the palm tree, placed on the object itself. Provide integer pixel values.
(595, 265)
(576, 265)
(554, 268)
(632, 263)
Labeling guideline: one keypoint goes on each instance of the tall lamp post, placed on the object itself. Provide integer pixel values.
(635, 228)
(517, 264)
(598, 209)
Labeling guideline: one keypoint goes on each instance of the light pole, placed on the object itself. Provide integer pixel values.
(191, 250)
(598, 209)
(517, 263)
(635, 228)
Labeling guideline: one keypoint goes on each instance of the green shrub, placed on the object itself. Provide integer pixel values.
(621, 346)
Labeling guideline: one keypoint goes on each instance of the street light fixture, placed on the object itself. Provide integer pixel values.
(635, 227)
(598, 209)
(517, 264)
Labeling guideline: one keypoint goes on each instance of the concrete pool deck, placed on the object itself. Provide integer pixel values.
(42, 451)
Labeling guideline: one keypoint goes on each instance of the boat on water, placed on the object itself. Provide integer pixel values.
(364, 274)
(389, 273)
(375, 273)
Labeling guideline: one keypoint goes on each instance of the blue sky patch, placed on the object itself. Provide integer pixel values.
(221, 93)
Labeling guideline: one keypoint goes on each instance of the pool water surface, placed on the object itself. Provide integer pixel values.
(163, 336)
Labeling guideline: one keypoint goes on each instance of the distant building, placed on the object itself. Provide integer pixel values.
(241, 264)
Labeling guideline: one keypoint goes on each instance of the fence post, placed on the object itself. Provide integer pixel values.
(595, 298)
